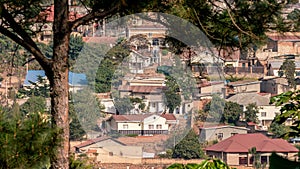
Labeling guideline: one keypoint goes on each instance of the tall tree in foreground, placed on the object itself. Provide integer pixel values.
(17, 17)
(242, 21)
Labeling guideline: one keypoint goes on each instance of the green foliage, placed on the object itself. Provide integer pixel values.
(189, 147)
(76, 130)
(104, 76)
(290, 109)
(40, 88)
(279, 130)
(256, 159)
(278, 162)
(240, 24)
(206, 164)
(223, 111)
(172, 96)
(288, 68)
(232, 112)
(168, 154)
(87, 108)
(26, 141)
(294, 17)
(123, 105)
(34, 104)
(251, 113)
(164, 52)
(79, 163)
(201, 115)
(215, 109)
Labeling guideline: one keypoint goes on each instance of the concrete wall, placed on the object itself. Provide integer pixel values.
(211, 134)
(232, 158)
(274, 86)
(270, 111)
(247, 88)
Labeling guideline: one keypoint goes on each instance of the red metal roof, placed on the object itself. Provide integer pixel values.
(139, 117)
(92, 141)
(288, 36)
(241, 143)
(131, 117)
(142, 89)
(168, 116)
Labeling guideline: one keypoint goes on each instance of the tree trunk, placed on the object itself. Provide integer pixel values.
(58, 77)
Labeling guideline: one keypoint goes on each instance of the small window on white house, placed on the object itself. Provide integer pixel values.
(151, 126)
(263, 114)
(111, 153)
(125, 126)
(159, 126)
(220, 136)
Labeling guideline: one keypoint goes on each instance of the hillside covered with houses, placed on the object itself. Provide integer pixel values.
(141, 100)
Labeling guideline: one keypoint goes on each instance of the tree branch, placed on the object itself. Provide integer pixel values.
(94, 14)
(45, 63)
(23, 39)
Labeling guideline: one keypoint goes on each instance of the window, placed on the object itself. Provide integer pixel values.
(263, 114)
(153, 105)
(220, 136)
(151, 126)
(111, 153)
(159, 126)
(264, 159)
(125, 126)
(243, 160)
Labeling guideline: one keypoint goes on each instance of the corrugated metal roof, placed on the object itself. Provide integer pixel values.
(241, 143)
(75, 79)
(247, 98)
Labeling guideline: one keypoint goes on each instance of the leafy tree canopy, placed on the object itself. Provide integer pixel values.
(189, 147)
(251, 113)
(288, 68)
(290, 109)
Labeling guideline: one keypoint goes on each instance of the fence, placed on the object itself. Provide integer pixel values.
(238, 70)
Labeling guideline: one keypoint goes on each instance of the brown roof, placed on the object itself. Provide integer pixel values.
(241, 143)
(100, 40)
(143, 139)
(139, 117)
(142, 89)
(288, 36)
(168, 116)
(131, 117)
(93, 141)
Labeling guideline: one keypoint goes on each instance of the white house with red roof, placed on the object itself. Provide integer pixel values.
(142, 124)
(235, 150)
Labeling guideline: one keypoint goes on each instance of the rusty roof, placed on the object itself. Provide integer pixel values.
(93, 141)
(241, 143)
(168, 116)
(142, 89)
(287, 36)
(140, 117)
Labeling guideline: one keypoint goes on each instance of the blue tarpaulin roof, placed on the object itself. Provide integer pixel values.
(75, 79)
